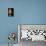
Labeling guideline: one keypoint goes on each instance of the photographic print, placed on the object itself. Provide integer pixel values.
(10, 12)
(30, 33)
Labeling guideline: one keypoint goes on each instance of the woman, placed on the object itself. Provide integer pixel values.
(10, 12)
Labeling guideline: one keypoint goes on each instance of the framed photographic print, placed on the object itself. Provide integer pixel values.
(10, 12)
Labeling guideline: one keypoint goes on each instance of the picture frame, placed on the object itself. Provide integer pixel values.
(10, 12)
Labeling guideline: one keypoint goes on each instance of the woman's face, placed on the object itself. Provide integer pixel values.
(10, 11)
